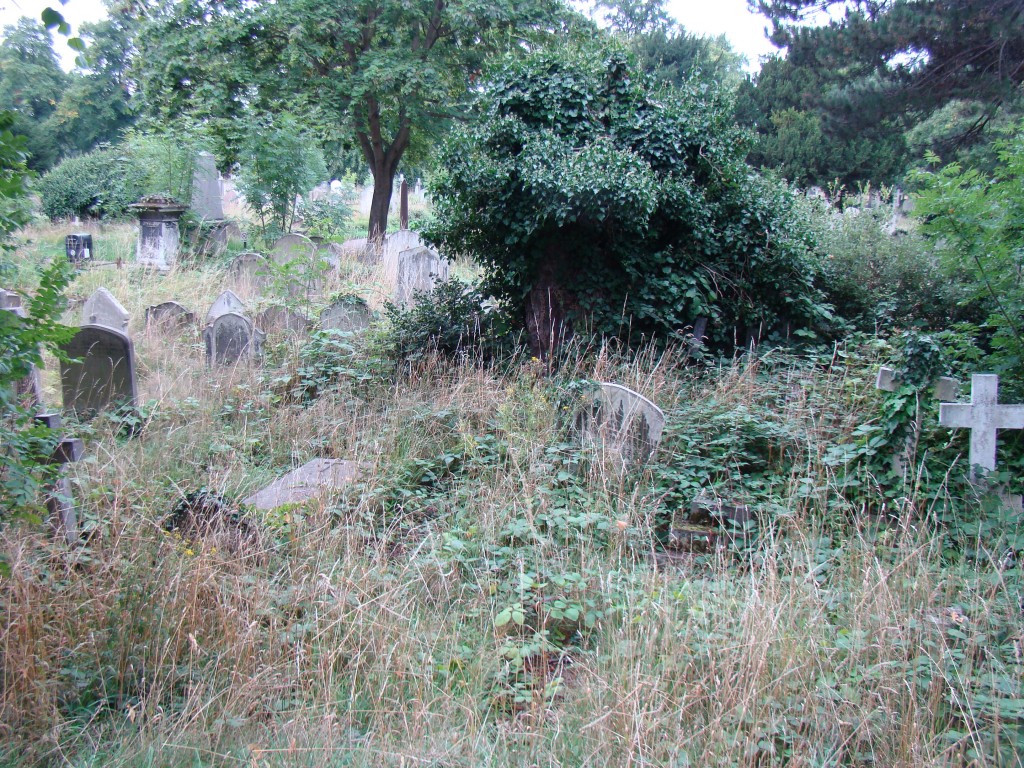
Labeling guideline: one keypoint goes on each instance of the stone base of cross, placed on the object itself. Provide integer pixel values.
(984, 416)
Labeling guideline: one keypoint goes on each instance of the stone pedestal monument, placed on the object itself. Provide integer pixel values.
(158, 231)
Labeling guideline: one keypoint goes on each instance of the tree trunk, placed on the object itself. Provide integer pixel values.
(379, 204)
(548, 305)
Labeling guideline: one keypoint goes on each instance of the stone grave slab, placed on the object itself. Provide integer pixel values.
(223, 304)
(418, 270)
(625, 422)
(316, 479)
(101, 373)
(168, 316)
(281, 320)
(102, 308)
(232, 337)
(348, 315)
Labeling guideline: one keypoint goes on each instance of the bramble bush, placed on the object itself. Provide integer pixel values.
(100, 184)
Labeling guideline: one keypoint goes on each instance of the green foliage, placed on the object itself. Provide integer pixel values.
(328, 218)
(583, 189)
(166, 156)
(277, 162)
(101, 184)
(973, 220)
(455, 319)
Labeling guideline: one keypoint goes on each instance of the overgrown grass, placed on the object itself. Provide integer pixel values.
(492, 593)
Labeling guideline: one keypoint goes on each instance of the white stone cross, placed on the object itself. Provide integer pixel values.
(984, 416)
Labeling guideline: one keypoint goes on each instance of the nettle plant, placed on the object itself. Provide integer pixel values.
(590, 197)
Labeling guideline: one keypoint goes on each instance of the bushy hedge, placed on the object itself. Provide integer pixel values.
(100, 184)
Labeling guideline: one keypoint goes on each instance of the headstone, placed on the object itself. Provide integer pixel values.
(10, 300)
(625, 422)
(168, 315)
(250, 269)
(347, 314)
(159, 238)
(207, 202)
(78, 247)
(984, 416)
(282, 320)
(418, 271)
(102, 308)
(59, 499)
(943, 388)
(320, 192)
(397, 242)
(99, 372)
(226, 302)
(291, 247)
(230, 338)
(356, 248)
(318, 478)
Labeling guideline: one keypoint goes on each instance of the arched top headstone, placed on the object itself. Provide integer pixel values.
(99, 372)
(291, 247)
(417, 271)
(281, 319)
(232, 337)
(250, 268)
(103, 309)
(169, 314)
(225, 303)
(624, 421)
(347, 314)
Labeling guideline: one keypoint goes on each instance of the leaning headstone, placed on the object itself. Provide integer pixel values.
(316, 479)
(419, 269)
(226, 302)
(230, 338)
(207, 203)
(99, 372)
(625, 422)
(348, 314)
(250, 269)
(943, 388)
(102, 308)
(281, 320)
(168, 315)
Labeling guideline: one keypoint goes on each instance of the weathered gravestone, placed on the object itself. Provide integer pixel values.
(226, 302)
(299, 254)
(10, 300)
(984, 416)
(624, 422)
(232, 337)
(357, 248)
(159, 238)
(59, 499)
(317, 479)
(943, 388)
(281, 320)
(397, 242)
(102, 308)
(347, 314)
(100, 371)
(168, 315)
(207, 202)
(418, 270)
(250, 269)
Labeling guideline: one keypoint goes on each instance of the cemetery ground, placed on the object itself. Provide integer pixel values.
(491, 590)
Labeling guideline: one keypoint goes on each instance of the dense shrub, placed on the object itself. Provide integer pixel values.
(590, 197)
(101, 184)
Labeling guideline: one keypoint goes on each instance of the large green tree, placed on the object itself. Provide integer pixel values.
(592, 197)
(385, 74)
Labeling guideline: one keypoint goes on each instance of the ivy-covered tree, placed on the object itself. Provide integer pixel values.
(591, 198)
(385, 74)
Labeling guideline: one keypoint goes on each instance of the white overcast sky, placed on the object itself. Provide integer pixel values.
(745, 30)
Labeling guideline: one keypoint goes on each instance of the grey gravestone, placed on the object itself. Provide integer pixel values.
(167, 315)
(59, 499)
(292, 247)
(356, 248)
(316, 479)
(281, 319)
(984, 416)
(396, 243)
(346, 315)
(103, 309)
(226, 302)
(28, 390)
(625, 422)
(250, 269)
(101, 371)
(232, 337)
(159, 237)
(206, 192)
(418, 270)
(10, 300)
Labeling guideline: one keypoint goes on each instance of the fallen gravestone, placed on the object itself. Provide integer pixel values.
(168, 315)
(624, 422)
(226, 302)
(347, 314)
(232, 337)
(317, 479)
(103, 309)
(418, 270)
(99, 372)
